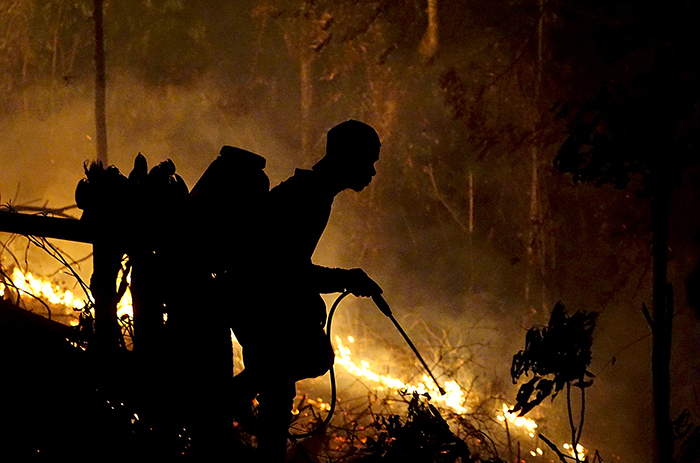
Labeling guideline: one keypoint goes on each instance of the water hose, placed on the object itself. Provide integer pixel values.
(386, 310)
(334, 388)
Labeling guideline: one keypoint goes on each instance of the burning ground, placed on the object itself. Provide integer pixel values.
(376, 379)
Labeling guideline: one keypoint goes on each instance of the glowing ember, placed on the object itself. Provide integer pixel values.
(580, 451)
(519, 421)
(318, 403)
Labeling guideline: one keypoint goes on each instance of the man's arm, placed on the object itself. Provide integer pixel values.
(336, 280)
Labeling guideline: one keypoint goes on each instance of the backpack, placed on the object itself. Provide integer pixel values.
(227, 204)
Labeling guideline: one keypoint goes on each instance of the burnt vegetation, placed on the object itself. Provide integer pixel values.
(556, 355)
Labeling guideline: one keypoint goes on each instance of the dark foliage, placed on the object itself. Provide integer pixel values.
(424, 436)
(645, 119)
(687, 435)
(556, 354)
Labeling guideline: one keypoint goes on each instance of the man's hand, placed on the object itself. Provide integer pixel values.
(361, 285)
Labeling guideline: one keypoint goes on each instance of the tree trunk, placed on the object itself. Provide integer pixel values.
(429, 42)
(100, 85)
(103, 285)
(471, 232)
(536, 266)
(662, 322)
(307, 97)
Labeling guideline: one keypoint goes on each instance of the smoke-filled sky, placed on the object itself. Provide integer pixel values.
(467, 225)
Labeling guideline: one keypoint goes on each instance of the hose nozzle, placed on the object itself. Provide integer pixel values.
(381, 304)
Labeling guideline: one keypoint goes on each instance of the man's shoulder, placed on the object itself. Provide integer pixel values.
(302, 180)
(302, 190)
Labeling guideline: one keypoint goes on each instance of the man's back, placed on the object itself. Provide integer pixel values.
(298, 211)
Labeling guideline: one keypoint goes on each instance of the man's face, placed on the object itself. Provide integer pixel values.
(361, 172)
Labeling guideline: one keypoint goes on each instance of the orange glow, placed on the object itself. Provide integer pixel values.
(28, 284)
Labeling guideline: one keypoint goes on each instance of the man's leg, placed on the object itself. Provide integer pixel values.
(274, 414)
(243, 390)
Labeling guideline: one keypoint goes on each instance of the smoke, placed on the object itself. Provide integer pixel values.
(44, 145)
(43, 153)
(457, 295)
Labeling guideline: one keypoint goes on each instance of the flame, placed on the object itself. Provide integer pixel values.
(125, 305)
(580, 450)
(53, 293)
(28, 283)
(454, 399)
(518, 421)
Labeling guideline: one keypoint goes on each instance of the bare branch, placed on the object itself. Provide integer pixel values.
(429, 170)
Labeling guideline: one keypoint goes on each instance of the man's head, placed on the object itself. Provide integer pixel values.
(352, 148)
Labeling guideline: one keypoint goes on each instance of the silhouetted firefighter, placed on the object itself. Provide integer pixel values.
(230, 254)
(220, 262)
(280, 323)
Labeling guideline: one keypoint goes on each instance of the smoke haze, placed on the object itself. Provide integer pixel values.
(475, 266)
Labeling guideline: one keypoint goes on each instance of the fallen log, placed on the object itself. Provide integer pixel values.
(49, 227)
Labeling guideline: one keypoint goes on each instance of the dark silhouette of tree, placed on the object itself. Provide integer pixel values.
(643, 129)
(557, 355)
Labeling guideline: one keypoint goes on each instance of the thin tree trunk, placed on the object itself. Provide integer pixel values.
(471, 232)
(662, 323)
(537, 242)
(100, 85)
(540, 43)
(105, 261)
(106, 265)
(54, 47)
(532, 247)
(307, 96)
(429, 42)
